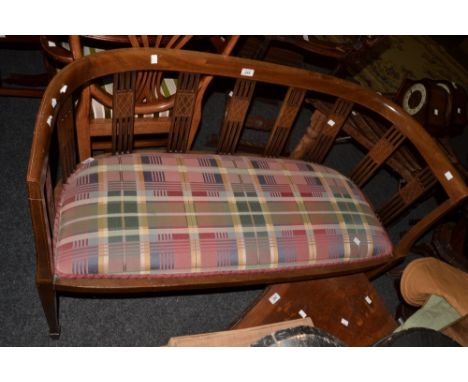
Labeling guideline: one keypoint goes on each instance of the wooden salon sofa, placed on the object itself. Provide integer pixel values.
(124, 220)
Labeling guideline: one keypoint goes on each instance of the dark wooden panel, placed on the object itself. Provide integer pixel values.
(347, 307)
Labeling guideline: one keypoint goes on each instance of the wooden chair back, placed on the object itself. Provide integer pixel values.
(152, 107)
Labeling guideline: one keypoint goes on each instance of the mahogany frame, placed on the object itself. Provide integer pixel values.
(57, 113)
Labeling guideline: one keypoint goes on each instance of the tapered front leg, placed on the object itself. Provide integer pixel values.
(49, 301)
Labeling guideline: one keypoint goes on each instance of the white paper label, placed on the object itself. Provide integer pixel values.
(63, 89)
(51, 44)
(357, 241)
(154, 58)
(53, 102)
(231, 93)
(302, 314)
(448, 175)
(49, 120)
(458, 110)
(274, 298)
(354, 113)
(344, 322)
(331, 122)
(246, 72)
(368, 300)
(436, 112)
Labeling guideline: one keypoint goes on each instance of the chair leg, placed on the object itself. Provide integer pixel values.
(49, 302)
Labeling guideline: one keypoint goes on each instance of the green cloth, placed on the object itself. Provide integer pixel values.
(435, 314)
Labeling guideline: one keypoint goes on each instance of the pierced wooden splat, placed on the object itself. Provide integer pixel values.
(368, 126)
(402, 199)
(183, 112)
(367, 140)
(66, 138)
(123, 112)
(366, 131)
(327, 130)
(379, 153)
(234, 117)
(286, 117)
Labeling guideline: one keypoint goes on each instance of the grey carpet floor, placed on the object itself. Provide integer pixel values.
(148, 320)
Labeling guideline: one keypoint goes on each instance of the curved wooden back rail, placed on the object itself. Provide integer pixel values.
(56, 115)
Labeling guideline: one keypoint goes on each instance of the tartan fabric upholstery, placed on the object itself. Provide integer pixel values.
(153, 214)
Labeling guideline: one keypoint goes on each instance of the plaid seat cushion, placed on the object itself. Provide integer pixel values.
(162, 214)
